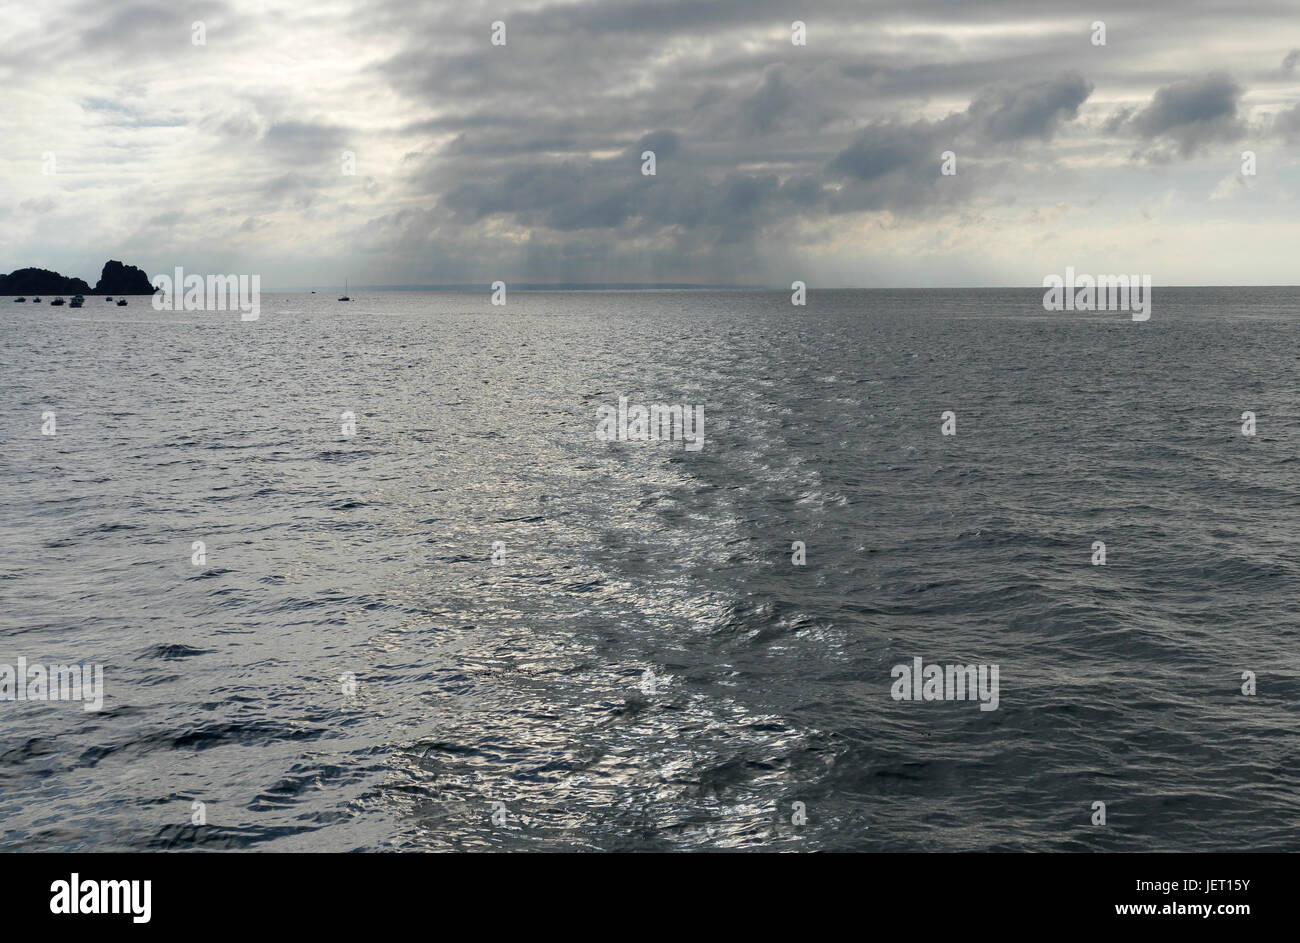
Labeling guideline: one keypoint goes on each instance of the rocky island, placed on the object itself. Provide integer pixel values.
(115, 279)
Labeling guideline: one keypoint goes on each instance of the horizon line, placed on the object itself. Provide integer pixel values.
(684, 286)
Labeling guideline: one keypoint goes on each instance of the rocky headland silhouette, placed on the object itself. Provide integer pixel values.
(115, 279)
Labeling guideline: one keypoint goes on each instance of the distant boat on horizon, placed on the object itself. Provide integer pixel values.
(121, 302)
(16, 300)
(345, 291)
(57, 301)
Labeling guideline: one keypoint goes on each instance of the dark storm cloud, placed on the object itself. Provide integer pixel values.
(1030, 111)
(770, 103)
(153, 27)
(109, 36)
(1192, 113)
(884, 149)
(546, 132)
(704, 199)
(612, 193)
(896, 166)
(304, 137)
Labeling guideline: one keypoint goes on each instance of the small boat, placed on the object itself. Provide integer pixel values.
(57, 301)
(19, 300)
(121, 302)
(36, 301)
(75, 303)
(345, 291)
(108, 297)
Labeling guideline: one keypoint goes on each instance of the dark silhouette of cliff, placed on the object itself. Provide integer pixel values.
(119, 279)
(39, 281)
(116, 279)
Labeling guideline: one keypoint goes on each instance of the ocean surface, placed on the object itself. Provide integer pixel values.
(646, 669)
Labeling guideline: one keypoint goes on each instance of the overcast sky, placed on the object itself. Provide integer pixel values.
(775, 162)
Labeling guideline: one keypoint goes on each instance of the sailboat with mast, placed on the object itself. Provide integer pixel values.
(345, 291)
